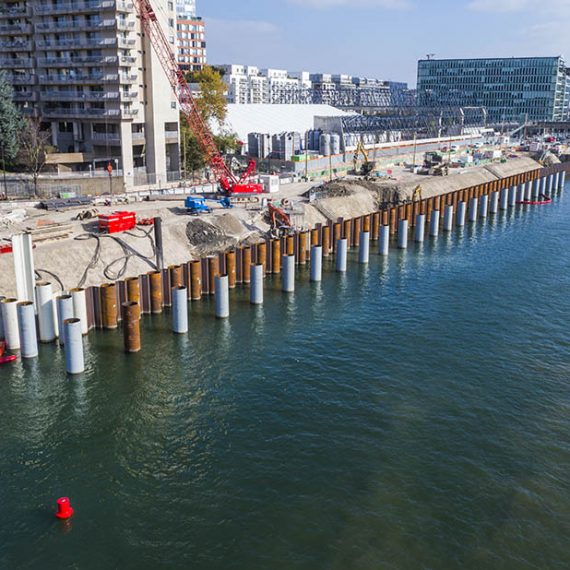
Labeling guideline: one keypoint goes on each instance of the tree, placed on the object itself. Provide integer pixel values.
(10, 122)
(212, 98)
(192, 155)
(34, 148)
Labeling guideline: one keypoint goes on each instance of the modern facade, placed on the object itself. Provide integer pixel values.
(251, 85)
(512, 90)
(86, 71)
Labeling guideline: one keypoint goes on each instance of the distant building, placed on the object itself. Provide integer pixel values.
(512, 90)
(190, 36)
(251, 85)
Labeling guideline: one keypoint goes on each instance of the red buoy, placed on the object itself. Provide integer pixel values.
(64, 509)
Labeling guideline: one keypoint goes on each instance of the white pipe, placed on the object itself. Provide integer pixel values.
(473, 209)
(64, 305)
(316, 263)
(222, 294)
(341, 255)
(434, 223)
(256, 289)
(288, 284)
(384, 246)
(46, 312)
(420, 229)
(364, 251)
(460, 219)
(73, 341)
(80, 308)
(484, 206)
(403, 234)
(10, 320)
(180, 310)
(448, 218)
(28, 333)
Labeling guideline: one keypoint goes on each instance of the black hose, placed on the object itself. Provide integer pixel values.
(110, 273)
(38, 276)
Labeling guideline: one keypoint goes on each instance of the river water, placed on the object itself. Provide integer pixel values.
(412, 414)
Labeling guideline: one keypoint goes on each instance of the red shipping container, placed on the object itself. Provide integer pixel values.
(117, 222)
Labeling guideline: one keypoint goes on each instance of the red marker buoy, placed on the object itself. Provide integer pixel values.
(64, 509)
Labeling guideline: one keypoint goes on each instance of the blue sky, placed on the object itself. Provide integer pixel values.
(380, 38)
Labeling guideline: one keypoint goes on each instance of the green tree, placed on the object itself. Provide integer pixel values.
(227, 143)
(10, 122)
(212, 98)
(192, 155)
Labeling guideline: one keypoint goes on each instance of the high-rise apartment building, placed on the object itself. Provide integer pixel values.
(85, 69)
(191, 36)
(512, 90)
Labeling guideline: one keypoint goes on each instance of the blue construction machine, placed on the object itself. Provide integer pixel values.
(197, 205)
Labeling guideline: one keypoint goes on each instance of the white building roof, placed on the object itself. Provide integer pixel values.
(273, 119)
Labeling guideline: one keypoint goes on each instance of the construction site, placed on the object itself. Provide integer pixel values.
(75, 246)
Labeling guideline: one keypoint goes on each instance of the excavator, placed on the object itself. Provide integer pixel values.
(367, 166)
(279, 219)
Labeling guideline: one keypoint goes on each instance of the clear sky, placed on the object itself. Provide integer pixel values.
(380, 38)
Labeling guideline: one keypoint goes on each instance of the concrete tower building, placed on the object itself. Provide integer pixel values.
(85, 69)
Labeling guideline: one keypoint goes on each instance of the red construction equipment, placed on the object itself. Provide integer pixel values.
(278, 216)
(228, 181)
(117, 222)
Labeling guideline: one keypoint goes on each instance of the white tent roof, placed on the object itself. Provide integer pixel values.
(273, 119)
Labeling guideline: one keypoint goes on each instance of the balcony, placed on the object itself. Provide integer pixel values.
(21, 79)
(82, 113)
(79, 78)
(16, 62)
(128, 78)
(25, 96)
(80, 60)
(10, 11)
(125, 26)
(16, 45)
(94, 43)
(75, 7)
(16, 29)
(126, 43)
(80, 95)
(105, 138)
(138, 138)
(75, 25)
(171, 136)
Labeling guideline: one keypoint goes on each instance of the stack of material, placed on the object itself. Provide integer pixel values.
(62, 204)
(50, 231)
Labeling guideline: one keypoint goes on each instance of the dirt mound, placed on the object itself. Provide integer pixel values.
(229, 225)
(206, 238)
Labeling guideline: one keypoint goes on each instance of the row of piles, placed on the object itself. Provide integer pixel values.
(216, 275)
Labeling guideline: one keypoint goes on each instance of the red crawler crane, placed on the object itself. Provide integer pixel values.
(228, 181)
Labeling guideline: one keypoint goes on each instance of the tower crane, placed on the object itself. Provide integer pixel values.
(228, 181)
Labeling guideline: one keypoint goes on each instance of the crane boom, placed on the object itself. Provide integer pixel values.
(198, 126)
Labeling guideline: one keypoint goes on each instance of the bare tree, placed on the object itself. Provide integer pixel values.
(34, 148)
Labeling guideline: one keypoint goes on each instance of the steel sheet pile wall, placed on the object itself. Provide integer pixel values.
(124, 302)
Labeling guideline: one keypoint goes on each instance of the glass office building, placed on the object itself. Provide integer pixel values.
(513, 90)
